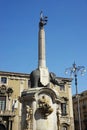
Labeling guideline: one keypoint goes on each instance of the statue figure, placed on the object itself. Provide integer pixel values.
(28, 115)
(35, 79)
(43, 20)
(44, 107)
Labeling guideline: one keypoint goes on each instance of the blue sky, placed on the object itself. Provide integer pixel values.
(66, 36)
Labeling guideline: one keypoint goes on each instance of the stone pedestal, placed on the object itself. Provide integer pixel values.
(39, 109)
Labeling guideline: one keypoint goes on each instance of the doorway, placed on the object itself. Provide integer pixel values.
(2, 127)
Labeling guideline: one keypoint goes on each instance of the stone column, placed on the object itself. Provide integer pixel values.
(21, 87)
(44, 74)
(33, 120)
(10, 123)
(70, 107)
(41, 48)
(9, 104)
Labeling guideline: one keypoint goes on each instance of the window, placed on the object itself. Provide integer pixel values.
(3, 80)
(62, 88)
(84, 106)
(29, 83)
(64, 128)
(63, 109)
(2, 103)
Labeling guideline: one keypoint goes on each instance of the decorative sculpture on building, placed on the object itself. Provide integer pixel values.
(28, 116)
(6, 90)
(44, 107)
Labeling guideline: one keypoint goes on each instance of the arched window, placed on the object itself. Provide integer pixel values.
(64, 128)
(63, 109)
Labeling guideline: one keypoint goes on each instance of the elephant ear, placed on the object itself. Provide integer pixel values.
(52, 75)
(53, 78)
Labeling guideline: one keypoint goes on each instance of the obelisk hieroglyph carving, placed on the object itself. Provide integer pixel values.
(44, 74)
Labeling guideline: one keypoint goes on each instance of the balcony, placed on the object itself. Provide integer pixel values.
(7, 113)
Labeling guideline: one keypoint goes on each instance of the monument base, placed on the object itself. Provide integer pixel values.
(39, 109)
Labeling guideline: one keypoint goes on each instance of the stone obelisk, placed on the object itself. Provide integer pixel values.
(44, 74)
(41, 44)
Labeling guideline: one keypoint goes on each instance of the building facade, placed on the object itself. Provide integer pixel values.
(11, 86)
(83, 110)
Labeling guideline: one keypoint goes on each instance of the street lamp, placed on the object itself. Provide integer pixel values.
(74, 71)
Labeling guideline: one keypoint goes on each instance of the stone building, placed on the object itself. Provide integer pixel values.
(83, 110)
(10, 107)
(11, 86)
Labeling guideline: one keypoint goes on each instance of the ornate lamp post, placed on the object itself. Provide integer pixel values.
(74, 71)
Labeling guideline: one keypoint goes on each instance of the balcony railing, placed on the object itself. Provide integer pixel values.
(6, 113)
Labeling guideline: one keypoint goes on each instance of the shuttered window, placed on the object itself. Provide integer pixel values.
(2, 103)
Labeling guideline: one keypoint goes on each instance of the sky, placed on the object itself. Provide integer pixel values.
(66, 36)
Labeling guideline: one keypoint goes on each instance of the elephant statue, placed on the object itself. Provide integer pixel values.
(35, 79)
